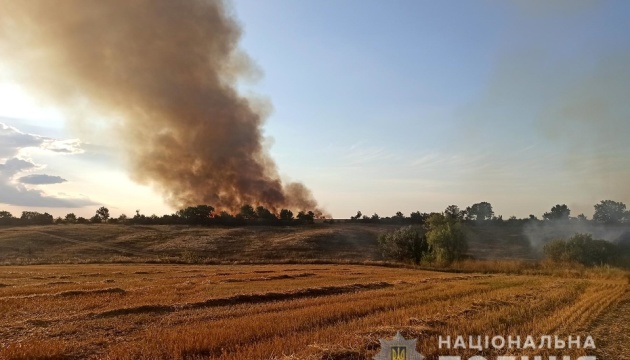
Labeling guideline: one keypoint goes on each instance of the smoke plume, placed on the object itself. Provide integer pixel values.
(163, 73)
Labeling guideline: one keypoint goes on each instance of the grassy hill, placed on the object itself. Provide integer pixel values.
(339, 241)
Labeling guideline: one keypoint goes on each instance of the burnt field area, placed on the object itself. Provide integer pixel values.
(291, 311)
(197, 244)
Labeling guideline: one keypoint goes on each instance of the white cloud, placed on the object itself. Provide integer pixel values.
(12, 171)
(13, 140)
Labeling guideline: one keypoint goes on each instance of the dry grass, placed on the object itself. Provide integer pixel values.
(107, 243)
(122, 243)
(316, 311)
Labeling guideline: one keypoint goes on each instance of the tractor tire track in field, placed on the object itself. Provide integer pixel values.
(358, 313)
(612, 331)
(262, 297)
(246, 299)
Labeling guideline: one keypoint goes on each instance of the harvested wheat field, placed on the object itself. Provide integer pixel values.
(290, 311)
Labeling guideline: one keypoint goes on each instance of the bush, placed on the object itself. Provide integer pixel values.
(555, 250)
(583, 249)
(404, 244)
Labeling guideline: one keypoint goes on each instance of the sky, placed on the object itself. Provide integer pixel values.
(386, 106)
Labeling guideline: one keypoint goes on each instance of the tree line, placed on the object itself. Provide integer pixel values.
(439, 238)
(607, 212)
(192, 215)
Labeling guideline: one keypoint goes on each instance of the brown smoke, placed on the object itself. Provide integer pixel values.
(164, 73)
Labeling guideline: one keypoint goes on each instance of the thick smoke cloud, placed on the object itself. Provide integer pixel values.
(164, 73)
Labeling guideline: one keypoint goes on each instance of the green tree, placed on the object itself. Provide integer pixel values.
(558, 212)
(610, 212)
(404, 244)
(480, 212)
(446, 238)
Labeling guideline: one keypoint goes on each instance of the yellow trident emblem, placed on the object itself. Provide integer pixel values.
(399, 353)
(398, 348)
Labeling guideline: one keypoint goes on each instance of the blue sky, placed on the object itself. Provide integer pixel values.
(402, 106)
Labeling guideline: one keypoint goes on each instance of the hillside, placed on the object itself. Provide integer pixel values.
(340, 241)
(60, 243)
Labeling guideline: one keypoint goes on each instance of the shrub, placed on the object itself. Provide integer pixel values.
(583, 249)
(404, 244)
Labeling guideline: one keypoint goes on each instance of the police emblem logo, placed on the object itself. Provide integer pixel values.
(398, 348)
(399, 353)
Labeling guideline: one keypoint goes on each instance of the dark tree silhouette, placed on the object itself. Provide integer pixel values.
(558, 212)
(196, 215)
(265, 215)
(610, 212)
(286, 215)
(6, 218)
(247, 212)
(357, 216)
(71, 218)
(480, 211)
(454, 213)
(35, 218)
(102, 213)
(306, 217)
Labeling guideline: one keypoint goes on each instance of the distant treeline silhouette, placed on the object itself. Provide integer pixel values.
(192, 215)
(606, 212)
